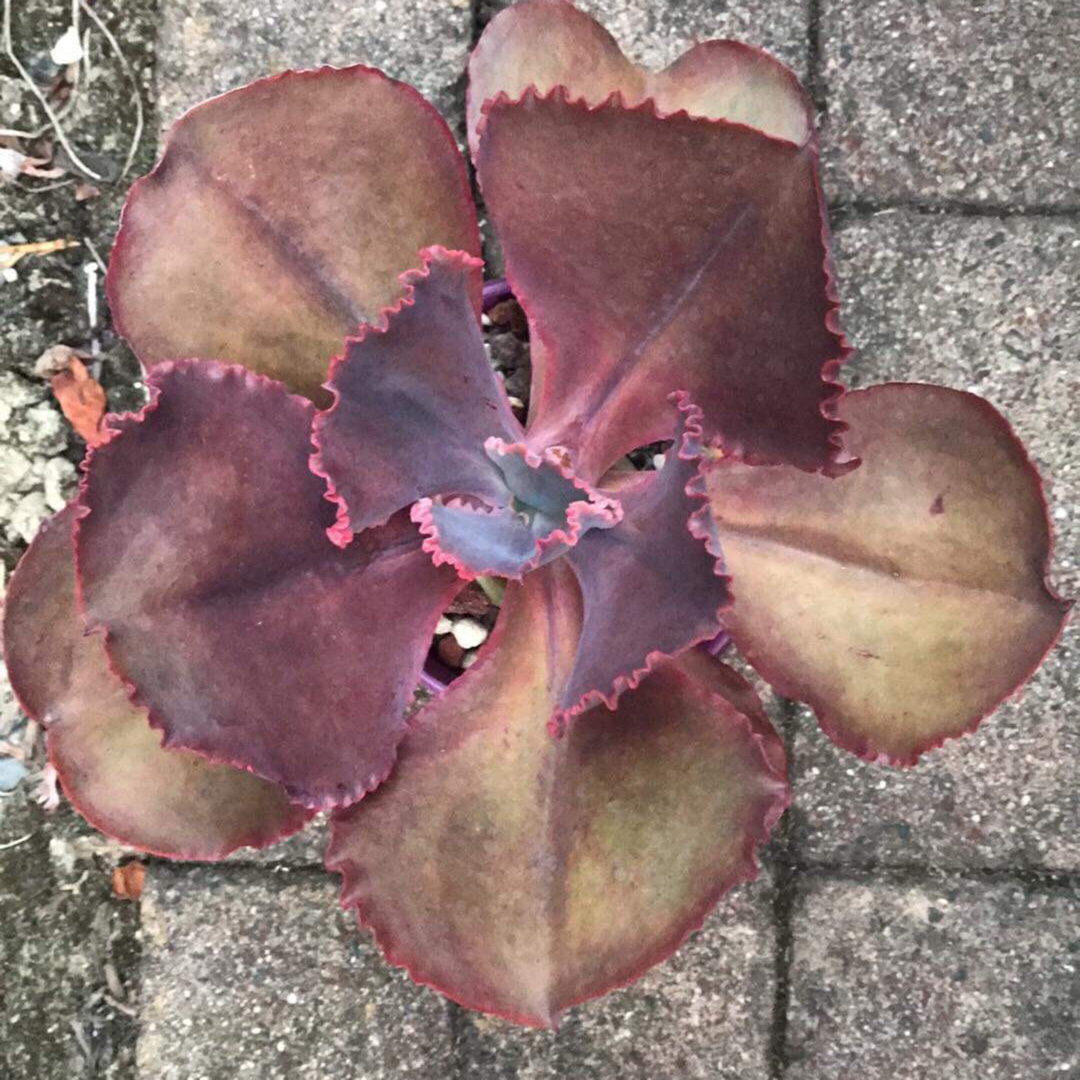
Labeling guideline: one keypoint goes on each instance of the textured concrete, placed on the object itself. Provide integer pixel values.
(965, 979)
(207, 46)
(255, 974)
(706, 1013)
(988, 306)
(66, 948)
(975, 100)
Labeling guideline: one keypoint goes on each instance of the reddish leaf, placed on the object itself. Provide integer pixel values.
(81, 399)
(675, 254)
(281, 216)
(414, 400)
(419, 415)
(549, 43)
(544, 512)
(905, 600)
(651, 586)
(247, 634)
(110, 761)
(520, 874)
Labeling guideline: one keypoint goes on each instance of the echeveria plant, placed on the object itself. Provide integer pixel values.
(223, 632)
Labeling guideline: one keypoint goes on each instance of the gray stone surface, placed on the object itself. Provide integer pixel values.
(992, 307)
(66, 947)
(207, 46)
(706, 1013)
(962, 979)
(975, 100)
(258, 974)
(654, 34)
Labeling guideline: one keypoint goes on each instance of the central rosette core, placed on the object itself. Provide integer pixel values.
(545, 511)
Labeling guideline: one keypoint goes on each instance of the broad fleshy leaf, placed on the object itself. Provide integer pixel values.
(281, 216)
(414, 401)
(652, 585)
(660, 254)
(109, 759)
(520, 874)
(247, 634)
(549, 43)
(907, 599)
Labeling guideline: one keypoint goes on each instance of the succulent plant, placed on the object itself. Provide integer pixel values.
(223, 632)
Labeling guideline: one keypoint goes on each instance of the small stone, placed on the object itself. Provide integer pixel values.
(12, 772)
(469, 633)
(58, 479)
(472, 600)
(68, 48)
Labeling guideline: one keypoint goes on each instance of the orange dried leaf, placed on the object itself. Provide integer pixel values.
(127, 881)
(81, 399)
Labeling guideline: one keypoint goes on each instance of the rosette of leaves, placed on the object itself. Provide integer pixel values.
(222, 633)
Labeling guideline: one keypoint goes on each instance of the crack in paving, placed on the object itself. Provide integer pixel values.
(844, 209)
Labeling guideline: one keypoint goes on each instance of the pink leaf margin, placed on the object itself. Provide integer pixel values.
(701, 526)
(342, 532)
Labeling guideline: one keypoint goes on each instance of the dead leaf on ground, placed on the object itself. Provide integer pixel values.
(79, 395)
(127, 881)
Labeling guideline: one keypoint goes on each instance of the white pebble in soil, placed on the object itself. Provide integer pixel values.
(469, 633)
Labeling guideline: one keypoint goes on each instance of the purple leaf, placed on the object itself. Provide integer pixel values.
(651, 586)
(110, 761)
(659, 254)
(414, 401)
(251, 639)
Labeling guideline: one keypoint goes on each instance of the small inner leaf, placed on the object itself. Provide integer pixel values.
(546, 511)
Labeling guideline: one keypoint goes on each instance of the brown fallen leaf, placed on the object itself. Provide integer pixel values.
(81, 399)
(127, 881)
